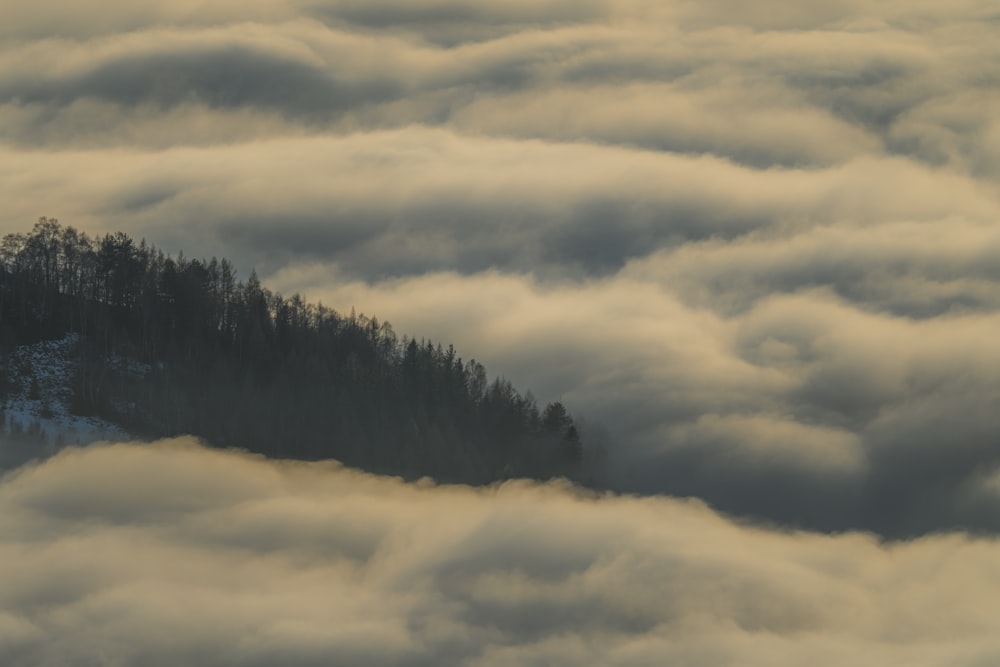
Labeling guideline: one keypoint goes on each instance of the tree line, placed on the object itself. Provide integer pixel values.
(171, 345)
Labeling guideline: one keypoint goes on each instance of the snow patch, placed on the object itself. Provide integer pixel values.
(37, 406)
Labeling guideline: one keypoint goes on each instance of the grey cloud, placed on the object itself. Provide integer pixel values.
(416, 200)
(394, 12)
(260, 563)
(758, 244)
(227, 76)
(46, 19)
(918, 411)
(676, 119)
(99, 124)
(804, 408)
(450, 23)
(911, 269)
(614, 73)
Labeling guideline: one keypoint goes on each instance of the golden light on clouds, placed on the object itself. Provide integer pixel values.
(757, 243)
(162, 553)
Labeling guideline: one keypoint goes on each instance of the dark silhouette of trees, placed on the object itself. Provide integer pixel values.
(170, 345)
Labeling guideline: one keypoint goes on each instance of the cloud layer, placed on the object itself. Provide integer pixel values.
(169, 553)
(759, 244)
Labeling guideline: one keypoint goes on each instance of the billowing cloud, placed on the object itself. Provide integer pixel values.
(642, 74)
(167, 553)
(758, 243)
(800, 406)
(417, 200)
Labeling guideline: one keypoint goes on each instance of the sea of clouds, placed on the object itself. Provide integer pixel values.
(170, 553)
(758, 242)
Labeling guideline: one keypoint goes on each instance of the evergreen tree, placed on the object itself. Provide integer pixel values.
(239, 365)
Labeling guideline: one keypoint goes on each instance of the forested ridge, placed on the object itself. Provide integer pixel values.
(171, 345)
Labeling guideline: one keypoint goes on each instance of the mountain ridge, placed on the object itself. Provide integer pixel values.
(168, 346)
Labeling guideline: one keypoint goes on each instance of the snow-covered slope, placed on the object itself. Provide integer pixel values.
(36, 417)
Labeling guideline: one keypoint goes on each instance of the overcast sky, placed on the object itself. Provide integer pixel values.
(757, 241)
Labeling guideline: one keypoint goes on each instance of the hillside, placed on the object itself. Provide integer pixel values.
(35, 416)
(164, 346)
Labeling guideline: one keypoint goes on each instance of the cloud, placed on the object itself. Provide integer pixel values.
(171, 553)
(849, 82)
(759, 245)
(859, 415)
(672, 118)
(220, 68)
(912, 269)
(418, 199)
